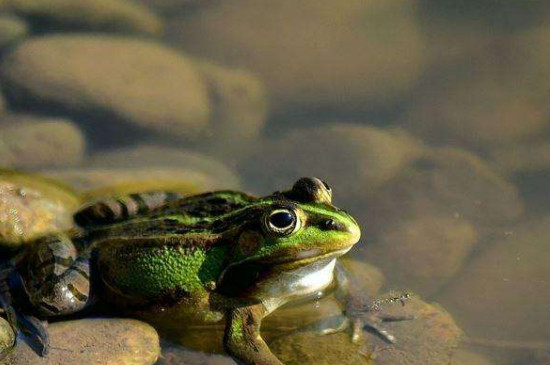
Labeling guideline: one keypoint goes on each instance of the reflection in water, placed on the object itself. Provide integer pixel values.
(429, 119)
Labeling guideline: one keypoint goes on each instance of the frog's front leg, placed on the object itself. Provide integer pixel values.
(242, 336)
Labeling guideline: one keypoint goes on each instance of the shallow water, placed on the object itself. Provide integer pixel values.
(428, 118)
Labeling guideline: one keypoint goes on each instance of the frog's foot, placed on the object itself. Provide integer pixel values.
(373, 323)
(36, 331)
(371, 318)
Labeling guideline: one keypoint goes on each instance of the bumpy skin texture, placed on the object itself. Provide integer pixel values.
(221, 254)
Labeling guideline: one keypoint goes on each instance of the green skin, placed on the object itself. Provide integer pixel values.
(206, 258)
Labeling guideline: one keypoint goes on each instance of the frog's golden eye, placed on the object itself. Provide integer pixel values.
(281, 222)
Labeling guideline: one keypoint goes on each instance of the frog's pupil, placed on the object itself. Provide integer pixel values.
(281, 219)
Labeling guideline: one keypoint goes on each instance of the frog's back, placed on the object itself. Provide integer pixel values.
(170, 253)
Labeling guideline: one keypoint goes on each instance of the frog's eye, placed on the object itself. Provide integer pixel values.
(282, 221)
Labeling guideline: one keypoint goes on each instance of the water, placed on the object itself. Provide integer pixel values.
(428, 118)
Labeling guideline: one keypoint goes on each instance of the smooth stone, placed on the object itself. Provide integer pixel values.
(88, 75)
(31, 206)
(93, 183)
(239, 107)
(312, 53)
(90, 15)
(422, 253)
(431, 338)
(444, 182)
(178, 355)
(464, 357)
(354, 159)
(150, 156)
(502, 294)
(12, 28)
(478, 110)
(28, 141)
(521, 158)
(7, 337)
(94, 341)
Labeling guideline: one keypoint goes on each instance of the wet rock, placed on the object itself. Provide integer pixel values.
(333, 49)
(502, 293)
(90, 15)
(178, 356)
(422, 253)
(31, 206)
(366, 278)
(463, 357)
(12, 28)
(29, 141)
(88, 75)
(239, 110)
(430, 339)
(444, 182)
(94, 341)
(7, 337)
(354, 159)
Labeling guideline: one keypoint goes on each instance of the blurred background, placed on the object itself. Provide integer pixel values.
(429, 118)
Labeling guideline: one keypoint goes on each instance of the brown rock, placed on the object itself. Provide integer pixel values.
(91, 15)
(111, 80)
(94, 341)
(312, 52)
(28, 142)
(31, 206)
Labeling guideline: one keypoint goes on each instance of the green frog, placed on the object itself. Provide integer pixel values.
(218, 256)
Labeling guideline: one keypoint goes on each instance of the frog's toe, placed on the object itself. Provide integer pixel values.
(374, 323)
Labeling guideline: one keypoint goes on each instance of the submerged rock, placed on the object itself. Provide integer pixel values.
(88, 76)
(422, 253)
(239, 109)
(355, 159)
(29, 141)
(12, 28)
(431, 338)
(312, 53)
(31, 206)
(463, 357)
(502, 294)
(90, 15)
(94, 341)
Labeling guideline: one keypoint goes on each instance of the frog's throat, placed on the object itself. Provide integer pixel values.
(303, 259)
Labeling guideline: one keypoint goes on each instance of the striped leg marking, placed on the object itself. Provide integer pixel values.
(115, 209)
(58, 281)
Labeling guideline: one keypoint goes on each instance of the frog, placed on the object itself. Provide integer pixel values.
(223, 256)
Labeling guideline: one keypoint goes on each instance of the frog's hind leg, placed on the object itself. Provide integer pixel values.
(118, 208)
(58, 281)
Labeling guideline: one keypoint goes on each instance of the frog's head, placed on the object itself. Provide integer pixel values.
(294, 227)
